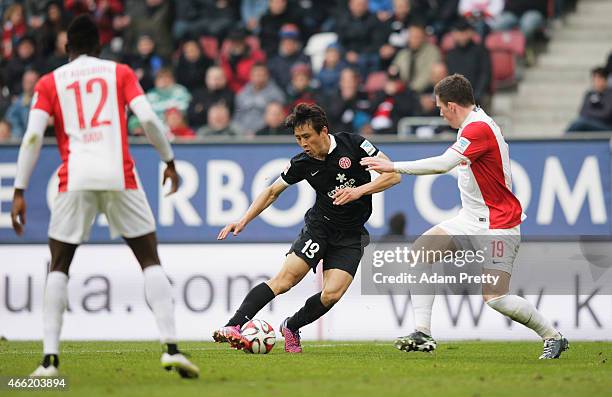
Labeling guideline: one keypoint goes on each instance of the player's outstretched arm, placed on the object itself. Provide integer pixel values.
(263, 201)
(28, 156)
(431, 165)
(383, 182)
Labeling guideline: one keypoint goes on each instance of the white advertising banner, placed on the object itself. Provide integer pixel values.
(106, 299)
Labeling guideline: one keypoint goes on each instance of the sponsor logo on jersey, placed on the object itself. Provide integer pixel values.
(462, 144)
(350, 183)
(341, 178)
(344, 163)
(368, 147)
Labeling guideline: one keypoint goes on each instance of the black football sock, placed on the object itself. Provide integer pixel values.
(50, 359)
(255, 300)
(172, 348)
(312, 310)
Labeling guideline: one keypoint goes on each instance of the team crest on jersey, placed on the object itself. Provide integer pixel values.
(461, 145)
(367, 147)
(344, 163)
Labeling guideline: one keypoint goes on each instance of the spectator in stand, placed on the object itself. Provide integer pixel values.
(251, 12)
(214, 91)
(275, 120)
(383, 9)
(17, 113)
(5, 131)
(438, 15)
(167, 94)
(414, 63)
(300, 89)
(13, 29)
(471, 60)
(329, 75)
(152, 17)
(528, 15)
(56, 21)
(219, 122)
(361, 35)
(289, 54)
(103, 13)
(191, 66)
(596, 112)
(251, 101)
(196, 18)
(270, 24)
(177, 125)
(145, 62)
(481, 13)
(238, 60)
(25, 59)
(348, 109)
(396, 31)
(392, 103)
(427, 99)
(5, 98)
(59, 56)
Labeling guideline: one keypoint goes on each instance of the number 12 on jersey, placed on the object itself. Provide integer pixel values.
(89, 88)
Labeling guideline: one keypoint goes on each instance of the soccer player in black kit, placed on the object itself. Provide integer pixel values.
(334, 227)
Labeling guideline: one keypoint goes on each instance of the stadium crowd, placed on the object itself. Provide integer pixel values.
(235, 68)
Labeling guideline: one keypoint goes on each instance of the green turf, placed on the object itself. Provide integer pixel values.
(326, 369)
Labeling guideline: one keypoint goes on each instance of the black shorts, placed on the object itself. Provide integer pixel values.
(339, 249)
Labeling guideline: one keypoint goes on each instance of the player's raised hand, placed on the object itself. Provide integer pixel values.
(234, 228)
(18, 212)
(171, 174)
(346, 195)
(377, 164)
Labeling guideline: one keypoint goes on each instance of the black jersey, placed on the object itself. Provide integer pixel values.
(340, 169)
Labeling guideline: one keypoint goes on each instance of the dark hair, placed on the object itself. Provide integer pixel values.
(307, 114)
(83, 36)
(455, 88)
(600, 71)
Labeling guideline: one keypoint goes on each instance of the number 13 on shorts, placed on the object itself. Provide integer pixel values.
(310, 248)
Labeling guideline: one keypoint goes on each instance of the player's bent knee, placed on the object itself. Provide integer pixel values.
(330, 298)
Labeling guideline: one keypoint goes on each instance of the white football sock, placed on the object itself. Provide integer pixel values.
(522, 311)
(422, 296)
(158, 292)
(54, 304)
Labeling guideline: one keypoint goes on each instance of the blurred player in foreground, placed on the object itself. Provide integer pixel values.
(489, 208)
(87, 99)
(334, 227)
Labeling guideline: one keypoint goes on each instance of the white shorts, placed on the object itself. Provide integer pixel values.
(73, 213)
(500, 245)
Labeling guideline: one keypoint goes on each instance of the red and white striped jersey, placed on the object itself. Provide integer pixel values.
(87, 99)
(484, 177)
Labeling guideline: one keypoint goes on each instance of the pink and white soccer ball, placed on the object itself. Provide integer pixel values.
(260, 335)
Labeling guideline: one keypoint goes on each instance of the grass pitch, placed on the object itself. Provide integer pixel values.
(324, 369)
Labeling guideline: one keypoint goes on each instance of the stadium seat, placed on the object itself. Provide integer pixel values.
(505, 48)
(512, 41)
(210, 45)
(375, 82)
(316, 46)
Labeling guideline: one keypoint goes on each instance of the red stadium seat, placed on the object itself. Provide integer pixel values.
(505, 48)
(512, 41)
(210, 45)
(375, 82)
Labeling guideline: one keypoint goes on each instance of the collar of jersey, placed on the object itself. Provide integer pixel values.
(469, 118)
(332, 143)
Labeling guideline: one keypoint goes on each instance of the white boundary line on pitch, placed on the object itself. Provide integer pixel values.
(118, 351)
